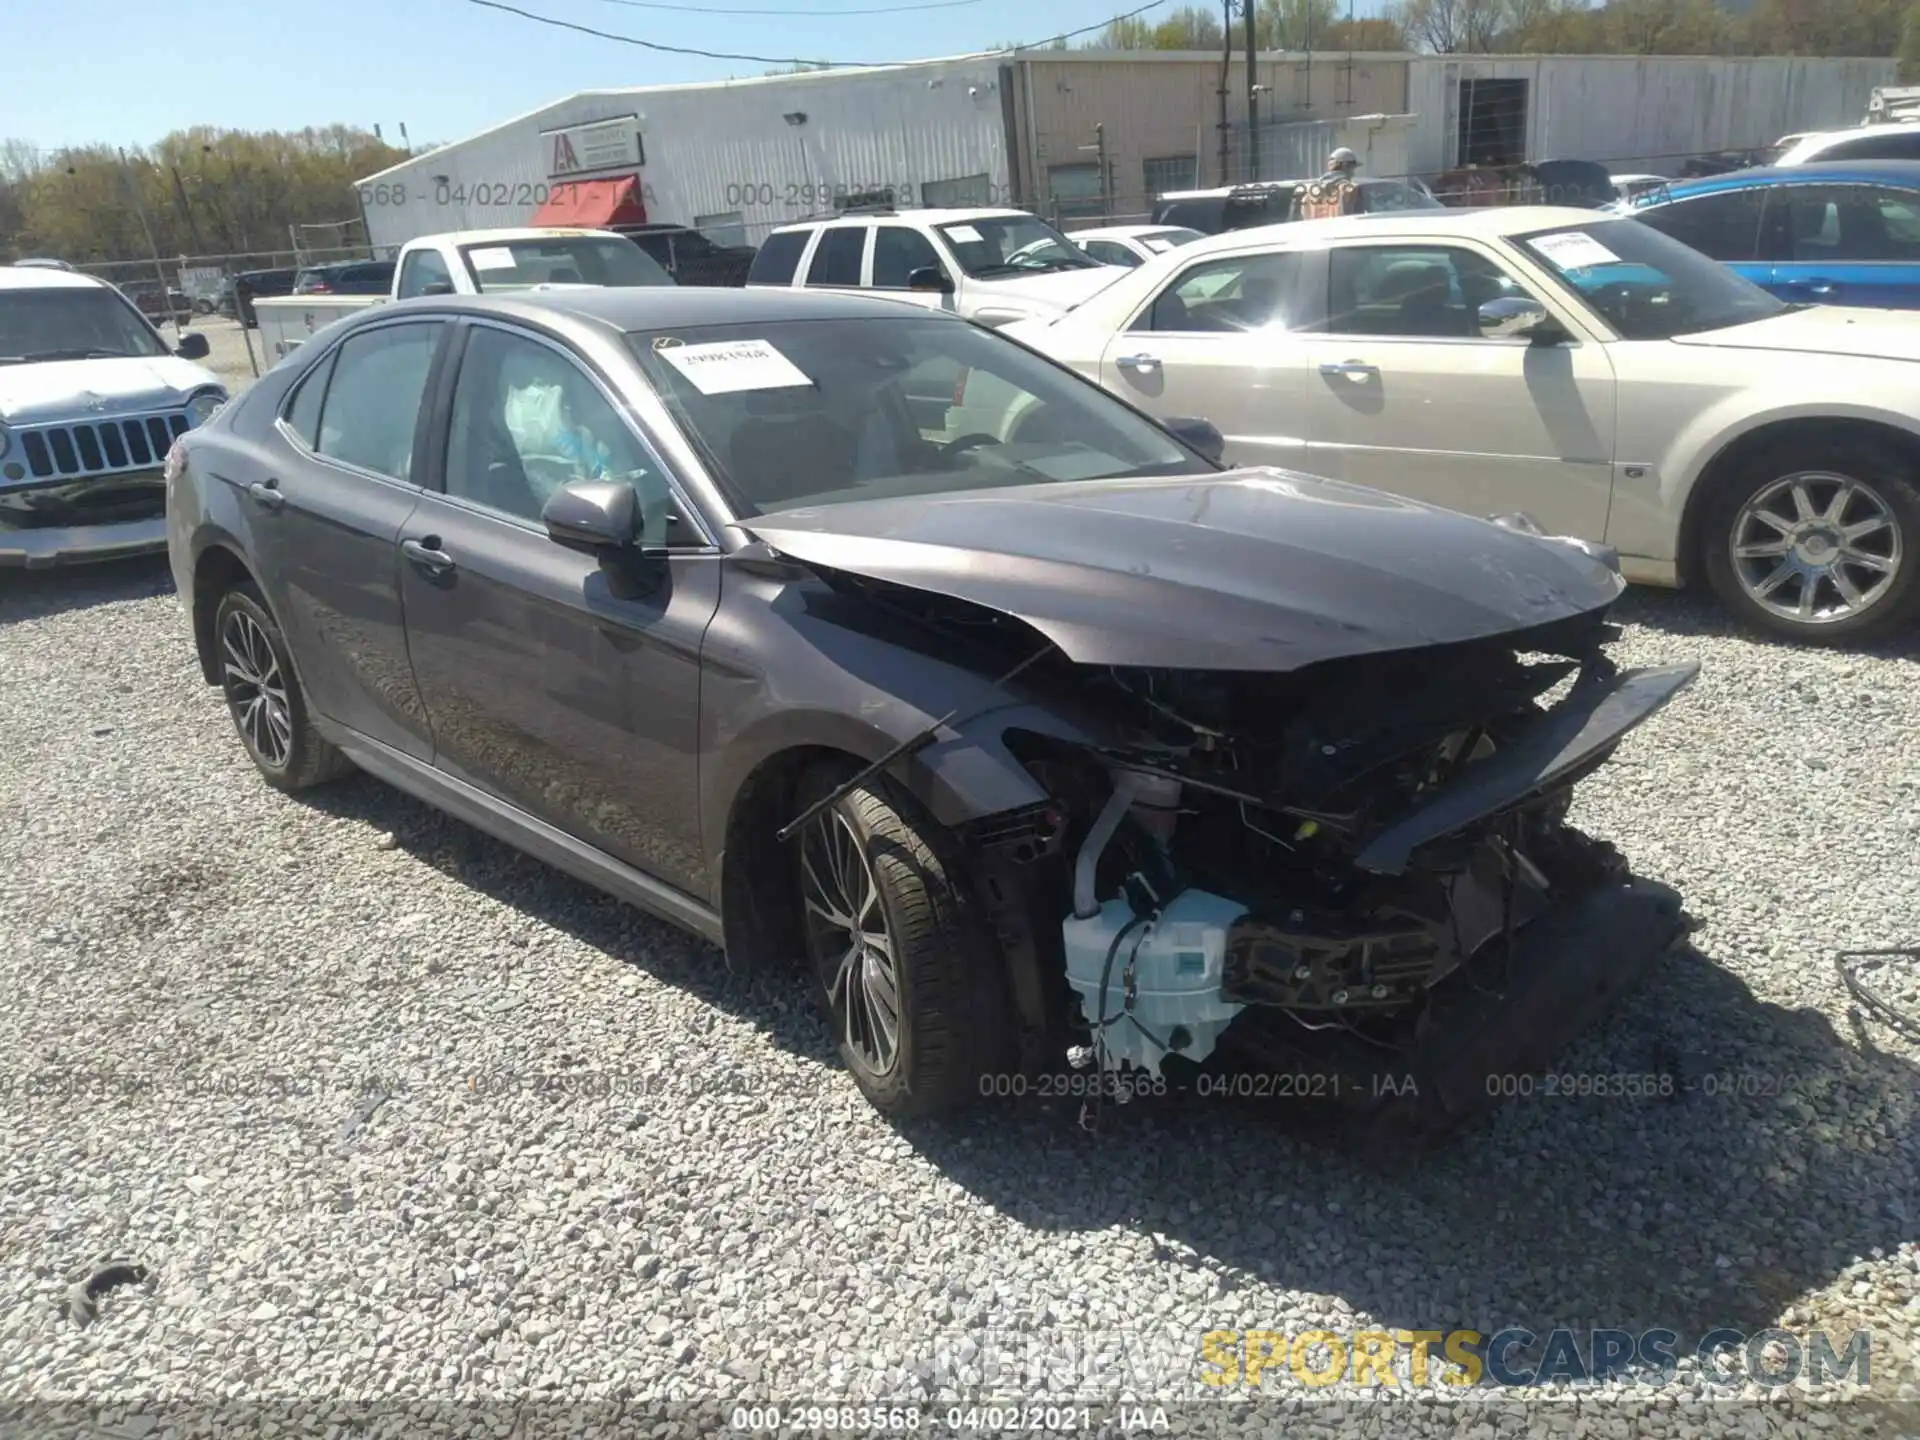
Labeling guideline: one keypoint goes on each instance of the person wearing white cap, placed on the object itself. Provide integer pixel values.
(1334, 193)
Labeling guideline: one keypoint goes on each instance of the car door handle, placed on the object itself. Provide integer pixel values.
(427, 554)
(1142, 363)
(267, 493)
(1352, 369)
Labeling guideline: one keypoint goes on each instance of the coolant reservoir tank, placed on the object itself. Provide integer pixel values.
(1177, 966)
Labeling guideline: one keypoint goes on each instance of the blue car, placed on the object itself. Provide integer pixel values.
(1843, 233)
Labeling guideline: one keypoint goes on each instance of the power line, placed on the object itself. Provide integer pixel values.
(786, 59)
(791, 14)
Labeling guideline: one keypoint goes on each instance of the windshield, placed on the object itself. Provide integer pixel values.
(1646, 285)
(75, 324)
(819, 412)
(561, 260)
(1011, 245)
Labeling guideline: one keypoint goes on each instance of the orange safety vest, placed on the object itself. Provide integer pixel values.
(1325, 199)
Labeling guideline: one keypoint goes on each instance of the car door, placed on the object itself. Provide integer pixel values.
(1219, 341)
(1413, 398)
(424, 268)
(1844, 244)
(1723, 225)
(340, 481)
(898, 251)
(567, 688)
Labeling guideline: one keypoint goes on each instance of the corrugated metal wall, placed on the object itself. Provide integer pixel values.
(1168, 105)
(713, 150)
(1645, 113)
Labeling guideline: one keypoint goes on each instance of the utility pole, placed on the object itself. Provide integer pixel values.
(1249, 7)
(1099, 148)
(186, 210)
(159, 270)
(1226, 71)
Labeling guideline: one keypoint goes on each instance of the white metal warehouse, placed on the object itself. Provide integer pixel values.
(737, 157)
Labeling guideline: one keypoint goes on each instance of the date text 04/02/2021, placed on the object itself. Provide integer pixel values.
(959, 1419)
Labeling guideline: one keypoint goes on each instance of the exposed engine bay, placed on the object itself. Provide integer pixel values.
(1316, 854)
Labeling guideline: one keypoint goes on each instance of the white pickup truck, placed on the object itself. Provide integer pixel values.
(470, 262)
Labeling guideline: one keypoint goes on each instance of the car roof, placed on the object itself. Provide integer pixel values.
(929, 215)
(1897, 172)
(516, 232)
(1123, 232)
(657, 307)
(41, 277)
(1486, 222)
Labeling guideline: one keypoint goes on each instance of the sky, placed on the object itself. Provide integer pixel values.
(125, 73)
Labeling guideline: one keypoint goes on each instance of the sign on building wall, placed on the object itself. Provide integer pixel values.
(600, 145)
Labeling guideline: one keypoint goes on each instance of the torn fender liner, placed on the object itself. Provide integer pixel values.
(1255, 569)
(1601, 708)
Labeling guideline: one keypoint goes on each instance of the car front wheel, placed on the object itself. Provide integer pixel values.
(264, 698)
(1819, 542)
(899, 960)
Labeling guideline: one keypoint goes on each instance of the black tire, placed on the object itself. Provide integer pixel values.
(268, 707)
(1888, 480)
(952, 1019)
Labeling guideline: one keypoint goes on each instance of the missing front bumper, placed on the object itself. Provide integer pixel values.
(1500, 1016)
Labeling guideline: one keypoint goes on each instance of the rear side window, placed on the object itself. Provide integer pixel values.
(373, 401)
(777, 259)
(303, 415)
(1723, 226)
(837, 260)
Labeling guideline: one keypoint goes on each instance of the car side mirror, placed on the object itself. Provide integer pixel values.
(930, 277)
(437, 287)
(1521, 317)
(192, 346)
(1198, 434)
(593, 515)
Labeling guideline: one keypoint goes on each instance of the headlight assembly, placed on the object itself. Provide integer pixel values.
(204, 406)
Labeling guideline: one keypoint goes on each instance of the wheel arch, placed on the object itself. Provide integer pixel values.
(217, 568)
(1741, 449)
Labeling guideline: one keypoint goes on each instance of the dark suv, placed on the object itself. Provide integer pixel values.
(690, 257)
(836, 628)
(251, 285)
(347, 277)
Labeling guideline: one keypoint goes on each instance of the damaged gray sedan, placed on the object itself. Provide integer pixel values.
(849, 633)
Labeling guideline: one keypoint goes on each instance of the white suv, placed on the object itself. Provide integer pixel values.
(990, 266)
(91, 401)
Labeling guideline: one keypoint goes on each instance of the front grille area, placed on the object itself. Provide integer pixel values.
(100, 447)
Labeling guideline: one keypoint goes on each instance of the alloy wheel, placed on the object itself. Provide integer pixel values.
(1816, 547)
(850, 944)
(256, 690)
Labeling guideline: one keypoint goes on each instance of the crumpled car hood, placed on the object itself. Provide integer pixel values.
(1254, 569)
(120, 385)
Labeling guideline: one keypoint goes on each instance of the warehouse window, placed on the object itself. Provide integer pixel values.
(1077, 192)
(836, 261)
(1493, 122)
(726, 228)
(968, 192)
(1171, 172)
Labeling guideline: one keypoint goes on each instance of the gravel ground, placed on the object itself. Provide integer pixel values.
(209, 986)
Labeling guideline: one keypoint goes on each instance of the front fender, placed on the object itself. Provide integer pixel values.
(791, 665)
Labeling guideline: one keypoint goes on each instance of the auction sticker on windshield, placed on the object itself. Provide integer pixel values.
(965, 234)
(1573, 250)
(730, 365)
(493, 257)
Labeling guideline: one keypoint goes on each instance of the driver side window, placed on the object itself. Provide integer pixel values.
(1428, 291)
(528, 420)
(422, 268)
